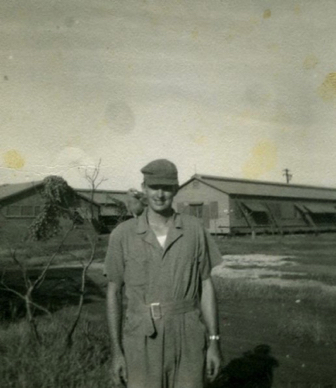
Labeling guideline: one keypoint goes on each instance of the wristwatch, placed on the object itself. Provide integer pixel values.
(214, 337)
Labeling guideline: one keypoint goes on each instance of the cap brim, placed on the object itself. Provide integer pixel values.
(155, 180)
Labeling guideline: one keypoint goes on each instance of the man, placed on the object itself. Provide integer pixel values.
(162, 258)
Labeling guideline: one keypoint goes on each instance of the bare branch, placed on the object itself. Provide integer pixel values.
(100, 182)
(92, 177)
(82, 292)
(6, 288)
(26, 278)
(41, 277)
(39, 307)
(24, 297)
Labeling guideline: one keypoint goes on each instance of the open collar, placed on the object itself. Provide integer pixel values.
(143, 226)
(174, 233)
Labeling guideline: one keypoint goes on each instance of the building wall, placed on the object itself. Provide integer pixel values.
(215, 211)
(18, 212)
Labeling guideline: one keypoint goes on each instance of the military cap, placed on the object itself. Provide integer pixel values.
(160, 172)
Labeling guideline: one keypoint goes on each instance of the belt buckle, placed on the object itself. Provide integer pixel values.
(155, 310)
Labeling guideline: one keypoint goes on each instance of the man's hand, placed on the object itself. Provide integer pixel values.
(118, 366)
(118, 370)
(213, 361)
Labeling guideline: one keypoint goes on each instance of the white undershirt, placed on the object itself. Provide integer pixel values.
(162, 240)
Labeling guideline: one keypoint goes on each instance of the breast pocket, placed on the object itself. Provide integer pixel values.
(136, 270)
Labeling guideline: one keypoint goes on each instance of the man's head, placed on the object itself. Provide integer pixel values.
(160, 172)
(160, 184)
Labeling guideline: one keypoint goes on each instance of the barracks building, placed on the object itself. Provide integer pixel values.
(240, 206)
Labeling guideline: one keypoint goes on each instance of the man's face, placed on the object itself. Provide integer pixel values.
(159, 197)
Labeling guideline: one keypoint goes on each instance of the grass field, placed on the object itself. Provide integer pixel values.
(281, 292)
(274, 291)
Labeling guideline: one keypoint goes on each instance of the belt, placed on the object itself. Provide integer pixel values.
(155, 311)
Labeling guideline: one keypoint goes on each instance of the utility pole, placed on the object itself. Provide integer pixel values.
(287, 175)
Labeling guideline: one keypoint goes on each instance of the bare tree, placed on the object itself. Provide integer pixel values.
(59, 202)
(94, 180)
(31, 286)
(85, 266)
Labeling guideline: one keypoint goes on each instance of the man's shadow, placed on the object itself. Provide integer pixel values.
(254, 369)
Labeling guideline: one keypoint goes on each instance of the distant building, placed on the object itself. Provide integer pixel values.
(233, 206)
(112, 204)
(20, 203)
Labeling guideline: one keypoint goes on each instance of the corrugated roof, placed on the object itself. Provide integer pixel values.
(268, 189)
(8, 190)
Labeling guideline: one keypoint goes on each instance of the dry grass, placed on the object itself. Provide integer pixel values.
(24, 363)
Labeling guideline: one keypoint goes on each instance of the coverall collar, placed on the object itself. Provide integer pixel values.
(143, 227)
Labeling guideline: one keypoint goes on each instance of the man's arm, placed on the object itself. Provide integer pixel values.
(114, 313)
(209, 312)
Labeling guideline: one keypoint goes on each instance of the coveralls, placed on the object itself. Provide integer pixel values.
(164, 345)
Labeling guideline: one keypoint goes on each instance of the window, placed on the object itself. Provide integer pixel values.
(258, 212)
(14, 211)
(27, 211)
(260, 218)
(275, 208)
(287, 211)
(196, 210)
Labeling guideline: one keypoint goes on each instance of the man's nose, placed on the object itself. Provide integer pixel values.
(160, 193)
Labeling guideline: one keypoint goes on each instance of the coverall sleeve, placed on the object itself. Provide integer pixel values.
(210, 255)
(114, 259)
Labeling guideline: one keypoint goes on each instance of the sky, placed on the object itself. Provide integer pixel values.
(234, 88)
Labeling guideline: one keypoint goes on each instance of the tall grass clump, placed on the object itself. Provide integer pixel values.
(28, 364)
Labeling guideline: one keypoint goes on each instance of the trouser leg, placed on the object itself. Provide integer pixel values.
(144, 361)
(191, 348)
(174, 359)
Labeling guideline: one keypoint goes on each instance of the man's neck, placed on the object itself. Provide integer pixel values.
(159, 219)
